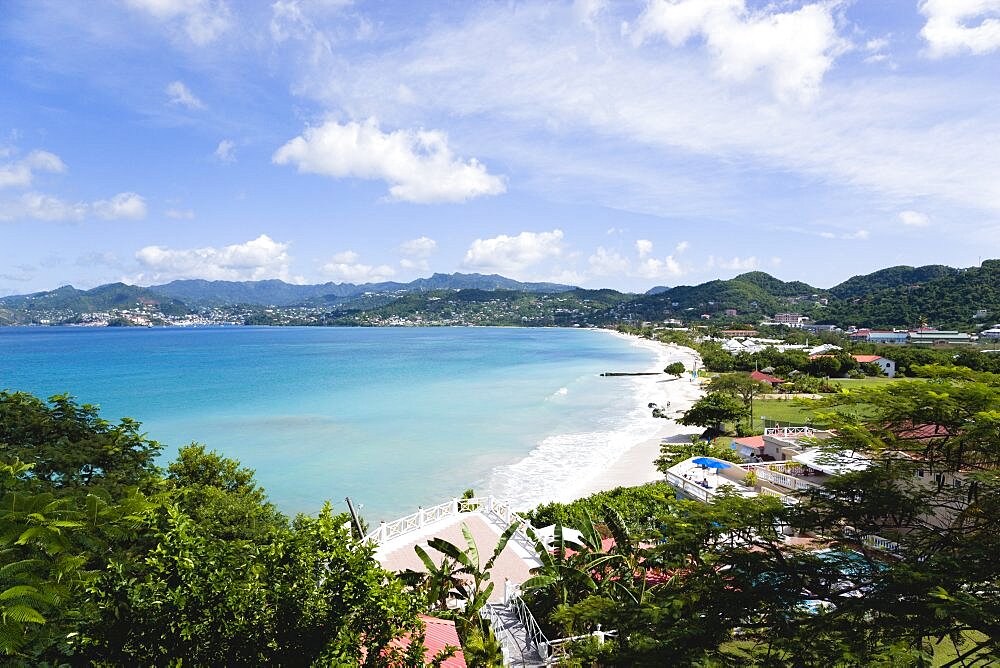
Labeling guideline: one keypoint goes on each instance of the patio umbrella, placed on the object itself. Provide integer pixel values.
(708, 462)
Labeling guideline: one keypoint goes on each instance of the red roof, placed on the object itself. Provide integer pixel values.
(757, 375)
(440, 634)
(750, 441)
(862, 359)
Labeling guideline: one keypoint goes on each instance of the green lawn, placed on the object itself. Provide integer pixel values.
(782, 410)
(875, 381)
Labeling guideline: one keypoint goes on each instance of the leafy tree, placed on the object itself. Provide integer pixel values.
(220, 495)
(675, 369)
(714, 410)
(743, 386)
(310, 594)
(49, 547)
(636, 505)
(71, 448)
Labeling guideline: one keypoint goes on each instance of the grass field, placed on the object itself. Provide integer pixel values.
(782, 410)
(878, 381)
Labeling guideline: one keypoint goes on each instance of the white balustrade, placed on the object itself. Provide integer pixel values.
(500, 511)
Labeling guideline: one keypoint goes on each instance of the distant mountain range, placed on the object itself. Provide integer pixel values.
(892, 297)
(279, 293)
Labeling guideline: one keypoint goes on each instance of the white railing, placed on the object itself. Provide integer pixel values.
(499, 511)
(508, 644)
(558, 646)
(690, 488)
(783, 479)
(880, 543)
(785, 432)
(701, 493)
(533, 633)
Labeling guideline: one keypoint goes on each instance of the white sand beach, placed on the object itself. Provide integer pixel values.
(635, 465)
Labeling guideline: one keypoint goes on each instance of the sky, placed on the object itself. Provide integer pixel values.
(602, 144)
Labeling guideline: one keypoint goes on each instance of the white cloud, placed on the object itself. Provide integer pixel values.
(48, 208)
(420, 247)
(735, 263)
(123, 205)
(914, 219)
(655, 268)
(39, 206)
(418, 165)
(793, 49)
(179, 214)
(180, 94)
(202, 21)
(643, 247)
(869, 139)
(681, 247)
(346, 266)
(225, 151)
(20, 173)
(257, 259)
(511, 255)
(416, 252)
(952, 26)
(607, 263)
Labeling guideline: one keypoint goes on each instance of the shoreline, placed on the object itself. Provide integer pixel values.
(569, 466)
(635, 466)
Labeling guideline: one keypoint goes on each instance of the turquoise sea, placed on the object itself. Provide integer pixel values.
(393, 418)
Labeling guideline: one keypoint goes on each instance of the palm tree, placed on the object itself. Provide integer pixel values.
(460, 572)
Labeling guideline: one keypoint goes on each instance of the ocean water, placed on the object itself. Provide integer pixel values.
(393, 418)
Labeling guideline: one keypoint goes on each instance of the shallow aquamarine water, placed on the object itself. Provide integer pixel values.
(391, 417)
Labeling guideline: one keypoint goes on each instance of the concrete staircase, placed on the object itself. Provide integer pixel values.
(520, 644)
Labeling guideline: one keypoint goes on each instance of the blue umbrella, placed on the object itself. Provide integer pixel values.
(711, 463)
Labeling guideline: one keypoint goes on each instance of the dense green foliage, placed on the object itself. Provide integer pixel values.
(632, 503)
(691, 583)
(106, 561)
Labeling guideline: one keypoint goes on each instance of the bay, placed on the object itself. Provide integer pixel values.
(392, 417)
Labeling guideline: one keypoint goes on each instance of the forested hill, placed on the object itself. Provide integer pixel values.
(947, 297)
(279, 293)
(894, 297)
(102, 298)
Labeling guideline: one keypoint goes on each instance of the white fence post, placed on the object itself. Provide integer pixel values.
(381, 532)
(420, 516)
(454, 505)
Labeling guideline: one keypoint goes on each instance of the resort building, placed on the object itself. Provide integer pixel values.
(930, 336)
(783, 461)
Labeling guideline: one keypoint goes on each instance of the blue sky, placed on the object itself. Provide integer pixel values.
(611, 144)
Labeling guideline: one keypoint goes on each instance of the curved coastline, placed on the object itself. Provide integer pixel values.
(565, 467)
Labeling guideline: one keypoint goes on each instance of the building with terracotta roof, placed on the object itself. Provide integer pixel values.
(441, 633)
(888, 366)
(764, 378)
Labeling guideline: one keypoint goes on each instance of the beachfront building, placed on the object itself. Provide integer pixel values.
(929, 336)
(795, 461)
